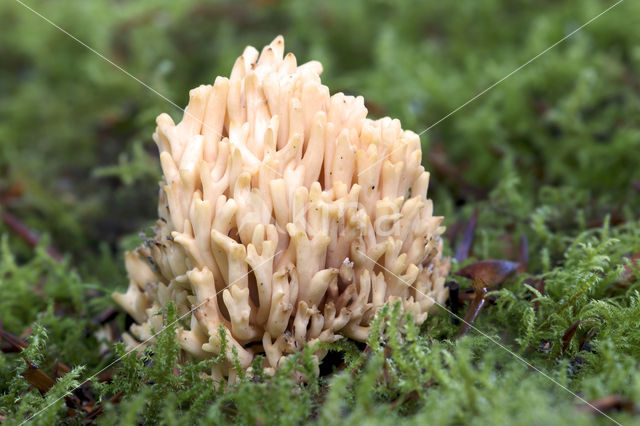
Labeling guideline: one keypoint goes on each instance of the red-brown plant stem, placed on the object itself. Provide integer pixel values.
(27, 235)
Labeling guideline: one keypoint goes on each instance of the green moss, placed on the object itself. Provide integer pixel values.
(408, 374)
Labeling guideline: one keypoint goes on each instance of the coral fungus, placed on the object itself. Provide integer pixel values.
(286, 217)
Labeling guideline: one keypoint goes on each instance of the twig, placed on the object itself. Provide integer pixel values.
(37, 378)
(571, 331)
(608, 403)
(464, 249)
(27, 235)
(523, 254)
(476, 306)
(13, 343)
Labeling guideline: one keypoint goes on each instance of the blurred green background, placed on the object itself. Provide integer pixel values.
(77, 160)
(549, 154)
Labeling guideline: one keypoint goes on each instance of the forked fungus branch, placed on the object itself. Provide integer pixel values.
(277, 204)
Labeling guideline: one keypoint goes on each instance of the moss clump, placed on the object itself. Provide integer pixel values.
(404, 374)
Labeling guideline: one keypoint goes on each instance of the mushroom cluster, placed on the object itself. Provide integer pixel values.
(287, 217)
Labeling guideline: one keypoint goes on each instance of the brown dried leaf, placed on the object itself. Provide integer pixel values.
(609, 403)
(37, 378)
(568, 335)
(490, 272)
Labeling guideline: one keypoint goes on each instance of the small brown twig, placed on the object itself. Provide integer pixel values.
(584, 343)
(366, 352)
(475, 307)
(523, 254)
(465, 246)
(37, 378)
(60, 369)
(27, 235)
(11, 343)
(97, 410)
(571, 331)
(483, 275)
(609, 403)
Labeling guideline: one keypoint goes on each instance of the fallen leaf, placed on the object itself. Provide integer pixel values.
(609, 403)
(491, 272)
(37, 378)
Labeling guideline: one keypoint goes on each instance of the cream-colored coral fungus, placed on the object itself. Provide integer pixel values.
(286, 216)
